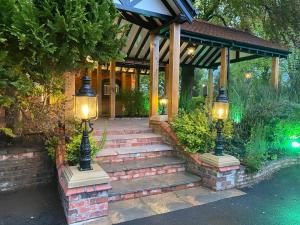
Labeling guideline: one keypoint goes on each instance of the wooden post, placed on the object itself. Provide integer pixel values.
(123, 81)
(112, 80)
(174, 64)
(138, 79)
(99, 89)
(154, 70)
(275, 72)
(210, 89)
(224, 67)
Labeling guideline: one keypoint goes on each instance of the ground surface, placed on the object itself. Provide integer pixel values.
(33, 206)
(272, 202)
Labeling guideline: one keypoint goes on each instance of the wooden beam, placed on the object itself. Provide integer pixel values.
(69, 92)
(154, 71)
(224, 67)
(123, 81)
(112, 80)
(210, 86)
(99, 89)
(174, 64)
(275, 72)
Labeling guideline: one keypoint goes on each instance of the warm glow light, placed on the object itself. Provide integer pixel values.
(220, 113)
(85, 111)
(163, 101)
(248, 75)
(191, 51)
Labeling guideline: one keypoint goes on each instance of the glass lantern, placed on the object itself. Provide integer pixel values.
(163, 101)
(86, 101)
(220, 109)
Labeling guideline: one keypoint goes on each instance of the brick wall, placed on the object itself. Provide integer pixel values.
(21, 167)
(84, 203)
(244, 179)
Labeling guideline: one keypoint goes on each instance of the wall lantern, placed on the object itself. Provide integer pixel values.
(163, 101)
(220, 113)
(248, 75)
(86, 109)
(191, 50)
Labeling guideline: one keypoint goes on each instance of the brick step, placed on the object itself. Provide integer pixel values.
(135, 188)
(122, 154)
(141, 168)
(130, 140)
(123, 131)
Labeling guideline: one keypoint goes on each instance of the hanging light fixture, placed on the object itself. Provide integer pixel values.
(191, 49)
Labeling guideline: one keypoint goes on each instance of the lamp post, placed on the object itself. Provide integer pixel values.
(220, 113)
(86, 109)
(163, 101)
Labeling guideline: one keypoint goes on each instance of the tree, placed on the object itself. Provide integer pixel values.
(42, 39)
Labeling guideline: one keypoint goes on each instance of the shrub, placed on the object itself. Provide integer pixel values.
(135, 103)
(256, 149)
(73, 148)
(195, 132)
(51, 145)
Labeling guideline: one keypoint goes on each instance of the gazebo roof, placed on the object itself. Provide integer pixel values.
(144, 17)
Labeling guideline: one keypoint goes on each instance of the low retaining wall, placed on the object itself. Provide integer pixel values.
(244, 179)
(219, 178)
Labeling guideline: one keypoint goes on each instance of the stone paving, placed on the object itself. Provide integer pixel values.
(158, 204)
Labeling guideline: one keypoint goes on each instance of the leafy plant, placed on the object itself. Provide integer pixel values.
(73, 148)
(51, 145)
(195, 132)
(135, 103)
(256, 149)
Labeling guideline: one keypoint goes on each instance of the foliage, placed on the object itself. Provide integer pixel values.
(277, 22)
(135, 103)
(51, 145)
(195, 132)
(256, 149)
(73, 149)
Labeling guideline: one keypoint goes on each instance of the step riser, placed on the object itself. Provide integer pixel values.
(132, 142)
(133, 156)
(144, 193)
(138, 173)
(123, 132)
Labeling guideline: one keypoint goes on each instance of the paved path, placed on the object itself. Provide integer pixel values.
(33, 206)
(271, 202)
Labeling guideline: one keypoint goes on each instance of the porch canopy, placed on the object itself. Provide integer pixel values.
(160, 34)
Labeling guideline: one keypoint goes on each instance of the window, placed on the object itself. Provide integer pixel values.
(106, 89)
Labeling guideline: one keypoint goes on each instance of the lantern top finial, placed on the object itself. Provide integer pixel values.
(222, 96)
(86, 89)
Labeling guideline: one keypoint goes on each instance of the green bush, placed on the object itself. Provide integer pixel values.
(73, 148)
(195, 132)
(51, 145)
(256, 149)
(135, 103)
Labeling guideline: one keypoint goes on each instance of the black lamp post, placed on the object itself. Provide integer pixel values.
(220, 113)
(86, 109)
(163, 101)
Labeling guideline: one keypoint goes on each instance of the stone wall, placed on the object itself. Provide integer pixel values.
(244, 179)
(21, 167)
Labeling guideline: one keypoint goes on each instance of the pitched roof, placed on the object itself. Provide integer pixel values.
(230, 35)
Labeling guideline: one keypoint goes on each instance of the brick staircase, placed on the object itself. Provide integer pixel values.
(140, 164)
(21, 167)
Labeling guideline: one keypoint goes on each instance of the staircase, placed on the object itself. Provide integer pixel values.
(22, 167)
(140, 164)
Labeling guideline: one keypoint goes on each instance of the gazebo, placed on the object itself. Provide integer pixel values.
(163, 36)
